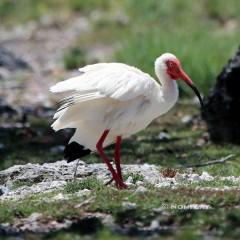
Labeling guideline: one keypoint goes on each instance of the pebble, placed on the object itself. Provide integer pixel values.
(129, 180)
(141, 189)
(58, 197)
(3, 190)
(139, 183)
(186, 119)
(194, 177)
(164, 136)
(84, 192)
(154, 224)
(129, 205)
(206, 176)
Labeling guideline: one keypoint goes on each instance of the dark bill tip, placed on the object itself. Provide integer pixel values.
(197, 93)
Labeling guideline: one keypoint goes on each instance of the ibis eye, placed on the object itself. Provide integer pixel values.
(170, 64)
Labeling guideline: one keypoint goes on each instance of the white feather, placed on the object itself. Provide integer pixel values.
(115, 80)
(111, 96)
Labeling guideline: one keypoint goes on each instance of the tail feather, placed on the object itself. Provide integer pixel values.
(74, 151)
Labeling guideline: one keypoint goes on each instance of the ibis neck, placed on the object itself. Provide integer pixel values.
(169, 87)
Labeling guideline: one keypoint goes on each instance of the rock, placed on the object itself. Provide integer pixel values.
(141, 189)
(129, 181)
(194, 177)
(61, 196)
(6, 109)
(48, 177)
(58, 197)
(221, 107)
(35, 223)
(166, 182)
(11, 62)
(206, 177)
(139, 183)
(2, 146)
(164, 136)
(154, 224)
(129, 205)
(84, 192)
(3, 190)
(187, 119)
(21, 192)
(4, 73)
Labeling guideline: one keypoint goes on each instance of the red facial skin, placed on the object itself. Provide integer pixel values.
(175, 71)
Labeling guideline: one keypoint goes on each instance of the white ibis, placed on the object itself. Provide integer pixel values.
(111, 101)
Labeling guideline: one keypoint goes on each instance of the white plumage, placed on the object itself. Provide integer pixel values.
(111, 96)
(113, 100)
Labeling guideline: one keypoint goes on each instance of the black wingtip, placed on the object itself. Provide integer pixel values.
(74, 151)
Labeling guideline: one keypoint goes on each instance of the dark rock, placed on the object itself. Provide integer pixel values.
(86, 225)
(12, 63)
(221, 110)
(6, 108)
(3, 190)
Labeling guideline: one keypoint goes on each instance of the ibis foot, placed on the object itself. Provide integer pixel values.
(119, 185)
(109, 182)
(122, 185)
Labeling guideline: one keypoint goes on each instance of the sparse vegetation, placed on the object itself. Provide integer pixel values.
(74, 58)
(109, 200)
(135, 177)
(203, 35)
(86, 183)
(18, 184)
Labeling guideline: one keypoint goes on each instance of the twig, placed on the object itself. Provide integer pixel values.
(221, 160)
(87, 201)
(75, 170)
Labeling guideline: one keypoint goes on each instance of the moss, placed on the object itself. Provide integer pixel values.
(86, 183)
(135, 177)
(74, 58)
(17, 184)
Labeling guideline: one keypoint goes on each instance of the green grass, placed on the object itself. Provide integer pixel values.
(145, 147)
(87, 183)
(201, 42)
(18, 184)
(74, 58)
(135, 177)
(109, 200)
(203, 34)
(192, 31)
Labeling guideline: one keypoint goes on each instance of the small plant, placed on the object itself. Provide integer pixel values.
(87, 183)
(18, 184)
(136, 177)
(74, 58)
(85, 6)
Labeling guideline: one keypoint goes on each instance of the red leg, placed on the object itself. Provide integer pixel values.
(99, 147)
(117, 159)
(117, 156)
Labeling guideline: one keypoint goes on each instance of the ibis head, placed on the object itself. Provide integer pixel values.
(174, 70)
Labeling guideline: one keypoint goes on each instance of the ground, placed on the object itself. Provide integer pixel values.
(171, 143)
(57, 37)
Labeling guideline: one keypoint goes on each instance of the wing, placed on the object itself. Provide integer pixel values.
(115, 80)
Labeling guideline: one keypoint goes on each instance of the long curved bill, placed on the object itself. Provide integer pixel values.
(189, 82)
(197, 93)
